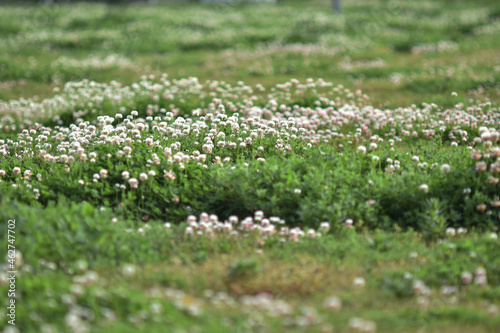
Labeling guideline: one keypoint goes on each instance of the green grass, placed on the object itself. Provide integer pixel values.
(303, 274)
(190, 39)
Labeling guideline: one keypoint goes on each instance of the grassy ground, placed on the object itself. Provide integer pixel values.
(397, 51)
(136, 197)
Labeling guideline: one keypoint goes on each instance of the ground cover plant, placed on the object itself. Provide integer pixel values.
(341, 174)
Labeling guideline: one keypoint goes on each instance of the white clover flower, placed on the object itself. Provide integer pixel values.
(324, 226)
(424, 188)
(134, 183)
(333, 303)
(445, 168)
(129, 270)
(362, 149)
(189, 231)
(359, 282)
(466, 277)
(103, 173)
(451, 232)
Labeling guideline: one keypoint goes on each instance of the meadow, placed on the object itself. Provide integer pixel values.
(251, 167)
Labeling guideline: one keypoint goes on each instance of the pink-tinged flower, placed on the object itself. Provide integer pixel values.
(493, 310)
(481, 207)
(125, 175)
(152, 173)
(333, 303)
(204, 217)
(476, 155)
(294, 235)
(370, 202)
(169, 175)
(356, 324)
(143, 176)
(480, 271)
(362, 149)
(481, 279)
(284, 231)
(28, 174)
(422, 301)
(349, 223)
(324, 226)
(16, 171)
(415, 158)
(311, 233)
(2, 173)
(481, 166)
(103, 173)
(134, 183)
(466, 277)
(495, 167)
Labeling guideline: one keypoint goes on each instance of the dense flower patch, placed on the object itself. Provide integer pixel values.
(167, 149)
